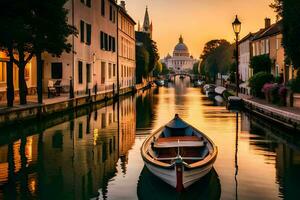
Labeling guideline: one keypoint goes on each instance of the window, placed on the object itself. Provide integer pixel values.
(114, 44)
(105, 41)
(267, 47)
(88, 34)
(114, 70)
(110, 13)
(81, 31)
(57, 140)
(103, 120)
(88, 73)
(109, 71)
(109, 43)
(102, 40)
(80, 130)
(80, 72)
(103, 72)
(103, 7)
(2, 71)
(88, 3)
(56, 70)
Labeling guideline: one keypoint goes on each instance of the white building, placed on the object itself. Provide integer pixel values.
(181, 59)
(245, 57)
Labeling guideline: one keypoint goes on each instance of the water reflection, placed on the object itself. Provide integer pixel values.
(71, 160)
(151, 187)
(95, 154)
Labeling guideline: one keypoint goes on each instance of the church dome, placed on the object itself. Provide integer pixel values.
(181, 49)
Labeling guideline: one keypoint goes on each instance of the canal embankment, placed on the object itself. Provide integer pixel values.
(9, 116)
(285, 116)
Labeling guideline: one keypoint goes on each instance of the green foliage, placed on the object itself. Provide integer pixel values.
(216, 57)
(196, 68)
(202, 69)
(261, 63)
(30, 27)
(165, 69)
(291, 30)
(295, 83)
(145, 67)
(257, 82)
(142, 63)
(158, 69)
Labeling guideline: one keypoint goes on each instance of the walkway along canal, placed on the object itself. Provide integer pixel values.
(93, 154)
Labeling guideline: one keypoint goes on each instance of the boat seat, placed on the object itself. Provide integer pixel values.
(180, 141)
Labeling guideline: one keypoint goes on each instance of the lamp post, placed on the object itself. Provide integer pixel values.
(236, 25)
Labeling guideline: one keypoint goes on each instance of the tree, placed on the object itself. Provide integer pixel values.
(6, 43)
(38, 26)
(142, 63)
(277, 6)
(257, 82)
(153, 54)
(216, 57)
(165, 69)
(157, 69)
(50, 35)
(261, 63)
(196, 68)
(291, 30)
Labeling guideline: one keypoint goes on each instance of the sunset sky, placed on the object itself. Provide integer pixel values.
(198, 20)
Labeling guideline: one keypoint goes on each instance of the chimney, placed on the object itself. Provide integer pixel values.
(267, 22)
(123, 5)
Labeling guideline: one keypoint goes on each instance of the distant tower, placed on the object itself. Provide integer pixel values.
(139, 26)
(147, 27)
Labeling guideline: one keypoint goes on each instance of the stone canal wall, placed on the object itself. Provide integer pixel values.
(288, 119)
(32, 112)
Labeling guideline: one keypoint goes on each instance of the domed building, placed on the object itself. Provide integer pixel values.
(181, 60)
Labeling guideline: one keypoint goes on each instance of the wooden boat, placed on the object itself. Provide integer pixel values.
(150, 187)
(179, 154)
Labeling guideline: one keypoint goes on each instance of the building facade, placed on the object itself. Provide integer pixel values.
(126, 48)
(30, 76)
(245, 55)
(181, 61)
(92, 66)
(266, 41)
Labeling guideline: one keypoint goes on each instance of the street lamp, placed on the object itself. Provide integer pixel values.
(237, 25)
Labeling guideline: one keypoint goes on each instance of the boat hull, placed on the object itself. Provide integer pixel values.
(170, 176)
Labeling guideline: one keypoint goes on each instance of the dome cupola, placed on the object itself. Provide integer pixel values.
(181, 49)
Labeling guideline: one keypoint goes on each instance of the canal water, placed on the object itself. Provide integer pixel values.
(96, 154)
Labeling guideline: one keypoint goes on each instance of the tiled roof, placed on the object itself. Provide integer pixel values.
(272, 30)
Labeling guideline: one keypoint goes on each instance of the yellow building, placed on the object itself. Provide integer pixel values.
(268, 41)
(126, 48)
(30, 76)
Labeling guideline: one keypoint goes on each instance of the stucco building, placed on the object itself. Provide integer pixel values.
(30, 76)
(266, 41)
(92, 66)
(126, 48)
(100, 51)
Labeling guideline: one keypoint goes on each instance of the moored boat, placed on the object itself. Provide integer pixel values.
(179, 154)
